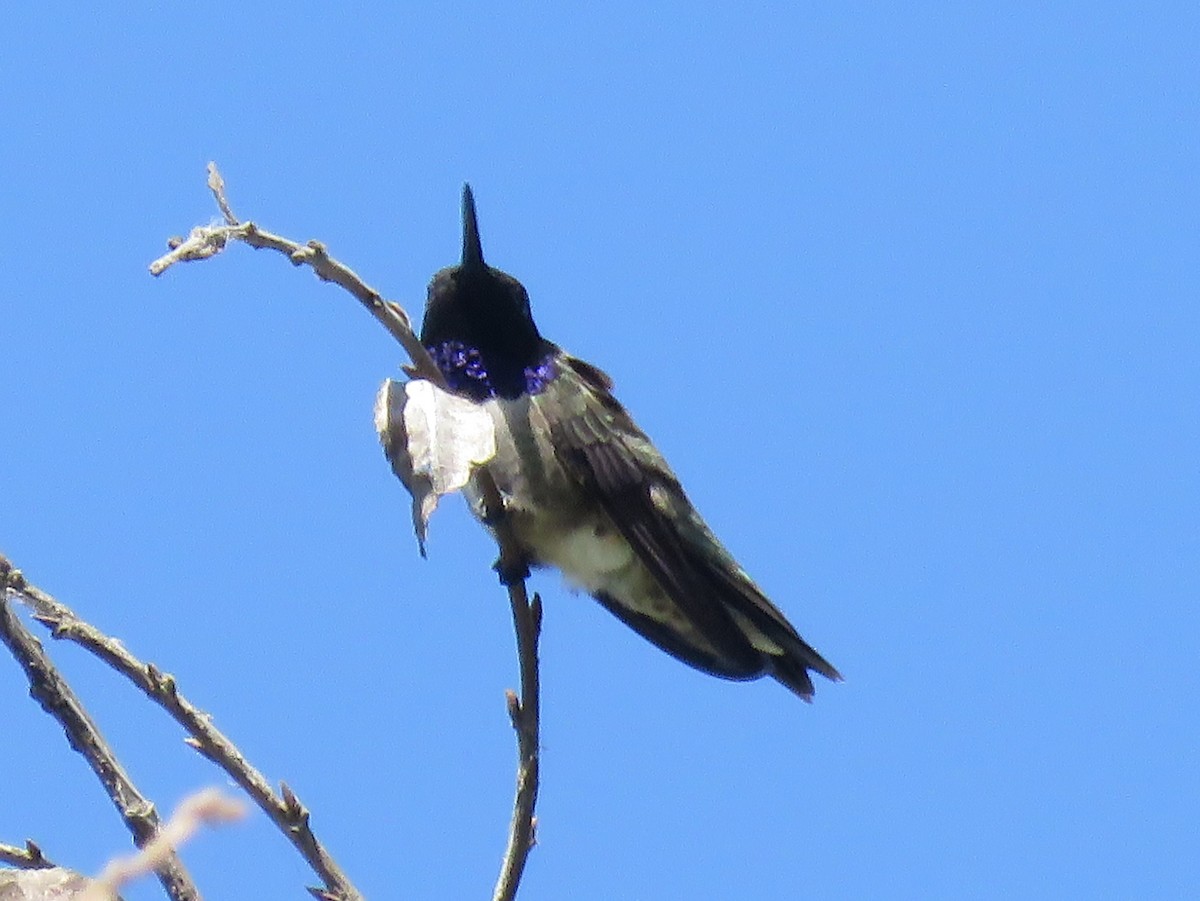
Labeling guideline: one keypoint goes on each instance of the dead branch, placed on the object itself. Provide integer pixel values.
(207, 241)
(48, 688)
(284, 809)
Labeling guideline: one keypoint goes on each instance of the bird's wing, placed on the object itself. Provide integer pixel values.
(615, 462)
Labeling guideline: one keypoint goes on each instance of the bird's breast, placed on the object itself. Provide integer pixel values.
(587, 550)
(555, 521)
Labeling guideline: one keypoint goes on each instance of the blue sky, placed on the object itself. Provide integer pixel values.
(908, 297)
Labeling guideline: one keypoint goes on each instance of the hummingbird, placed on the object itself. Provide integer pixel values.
(587, 493)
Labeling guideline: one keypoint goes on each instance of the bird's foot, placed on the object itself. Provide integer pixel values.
(511, 571)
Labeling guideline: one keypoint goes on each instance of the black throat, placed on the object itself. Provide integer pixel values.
(479, 328)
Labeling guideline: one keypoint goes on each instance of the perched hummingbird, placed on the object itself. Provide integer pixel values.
(585, 491)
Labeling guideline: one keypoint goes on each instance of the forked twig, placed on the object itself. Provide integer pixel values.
(50, 689)
(207, 241)
(285, 809)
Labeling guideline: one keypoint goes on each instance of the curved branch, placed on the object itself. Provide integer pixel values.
(50, 690)
(286, 812)
(207, 241)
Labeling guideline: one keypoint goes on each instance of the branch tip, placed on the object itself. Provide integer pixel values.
(203, 737)
(535, 613)
(295, 810)
(216, 184)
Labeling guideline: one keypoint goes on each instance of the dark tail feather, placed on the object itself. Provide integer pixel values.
(791, 669)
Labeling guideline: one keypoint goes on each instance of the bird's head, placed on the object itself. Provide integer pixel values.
(478, 324)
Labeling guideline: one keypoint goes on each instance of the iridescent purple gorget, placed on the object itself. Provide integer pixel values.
(466, 373)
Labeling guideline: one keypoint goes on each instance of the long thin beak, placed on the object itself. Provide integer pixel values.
(472, 252)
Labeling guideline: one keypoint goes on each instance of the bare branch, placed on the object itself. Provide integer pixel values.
(216, 184)
(205, 808)
(286, 812)
(525, 711)
(50, 690)
(207, 241)
(28, 858)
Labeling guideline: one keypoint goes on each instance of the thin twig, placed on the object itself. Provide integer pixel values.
(525, 712)
(28, 858)
(285, 810)
(205, 242)
(50, 690)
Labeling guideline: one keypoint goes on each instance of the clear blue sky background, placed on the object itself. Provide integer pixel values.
(907, 295)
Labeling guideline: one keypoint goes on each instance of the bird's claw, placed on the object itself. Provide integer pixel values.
(511, 572)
